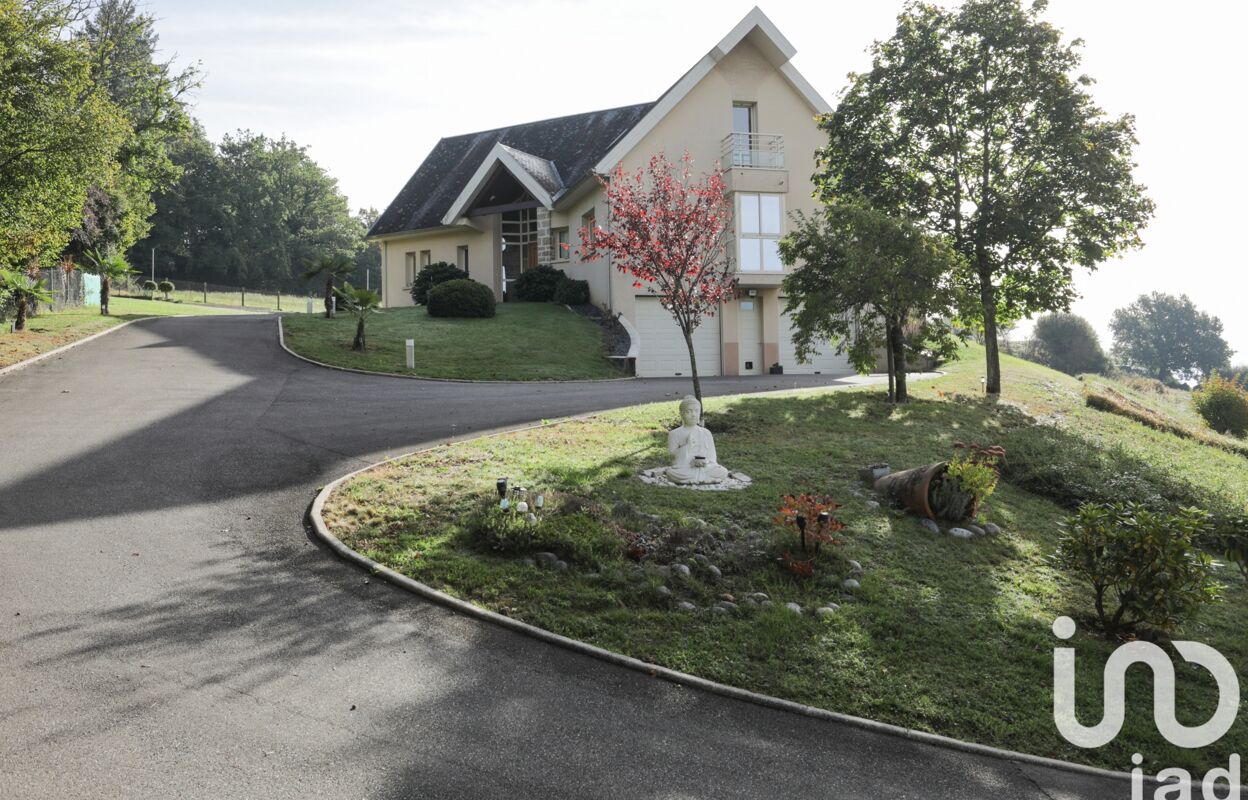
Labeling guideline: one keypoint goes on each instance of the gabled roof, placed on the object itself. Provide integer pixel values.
(539, 176)
(568, 146)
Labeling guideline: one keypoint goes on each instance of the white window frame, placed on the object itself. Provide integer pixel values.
(759, 242)
(461, 257)
(426, 258)
(556, 235)
(589, 221)
(409, 268)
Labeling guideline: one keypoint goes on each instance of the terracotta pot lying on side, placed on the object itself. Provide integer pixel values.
(912, 489)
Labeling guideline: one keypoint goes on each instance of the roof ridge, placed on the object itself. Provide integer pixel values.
(548, 119)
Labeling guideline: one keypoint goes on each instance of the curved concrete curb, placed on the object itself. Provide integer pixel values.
(70, 346)
(281, 340)
(653, 670)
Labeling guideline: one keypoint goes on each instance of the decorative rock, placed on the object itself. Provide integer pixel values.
(528, 562)
(714, 572)
(680, 570)
(726, 605)
(765, 604)
(873, 504)
(930, 526)
(826, 611)
(975, 529)
(685, 605)
(718, 610)
(850, 585)
(546, 559)
(991, 529)
(749, 602)
(728, 597)
(663, 591)
(794, 607)
(560, 566)
(701, 559)
(760, 596)
(855, 568)
(961, 533)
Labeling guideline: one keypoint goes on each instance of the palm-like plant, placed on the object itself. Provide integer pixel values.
(110, 266)
(332, 268)
(17, 285)
(361, 303)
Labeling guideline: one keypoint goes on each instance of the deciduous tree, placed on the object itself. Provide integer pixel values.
(1168, 338)
(976, 121)
(669, 232)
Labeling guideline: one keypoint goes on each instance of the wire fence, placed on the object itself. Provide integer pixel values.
(64, 286)
(213, 294)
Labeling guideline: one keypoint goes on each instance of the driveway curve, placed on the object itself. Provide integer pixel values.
(169, 629)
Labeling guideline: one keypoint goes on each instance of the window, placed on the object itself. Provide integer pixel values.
(744, 125)
(760, 223)
(409, 268)
(589, 221)
(461, 257)
(560, 245)
(426, 258)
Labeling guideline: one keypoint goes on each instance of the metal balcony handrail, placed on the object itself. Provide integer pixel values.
(753, 150)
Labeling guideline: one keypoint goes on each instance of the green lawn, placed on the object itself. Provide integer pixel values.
(252, 301)
(50, 331)
(524, 342)
(944, 635)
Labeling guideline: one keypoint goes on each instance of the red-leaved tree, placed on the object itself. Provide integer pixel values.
(671, 235)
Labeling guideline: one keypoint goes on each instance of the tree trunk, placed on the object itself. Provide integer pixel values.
(897, 344)
(888, 361)
(19, 323)
(988, 299)
(358, 344)
(104, 287)
(693, 367)
(329, 297)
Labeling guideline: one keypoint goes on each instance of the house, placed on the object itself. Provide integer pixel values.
(501, 201)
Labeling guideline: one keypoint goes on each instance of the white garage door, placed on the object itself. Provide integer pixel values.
(663, 352)
(825, 362)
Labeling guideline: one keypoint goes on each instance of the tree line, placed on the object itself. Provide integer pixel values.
(101, 159)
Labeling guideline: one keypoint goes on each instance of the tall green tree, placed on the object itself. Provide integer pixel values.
(1068, 343)
(368, 257)
(23, 291)
(865, 280)
(59, 132)
(976, 121)
(1168, 338)
(153, 94)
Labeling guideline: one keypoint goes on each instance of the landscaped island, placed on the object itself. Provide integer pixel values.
(898, 621)
(523, 342)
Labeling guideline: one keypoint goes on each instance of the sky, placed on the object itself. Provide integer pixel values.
(369, 88)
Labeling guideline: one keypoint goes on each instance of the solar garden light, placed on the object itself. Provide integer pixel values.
(539, 502)
(411, 354)
(800, 519)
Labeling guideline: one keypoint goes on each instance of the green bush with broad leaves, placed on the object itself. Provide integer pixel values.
(430, 276)
(461, 298)
(1223, 404)
(1145, 567)
(571, 292)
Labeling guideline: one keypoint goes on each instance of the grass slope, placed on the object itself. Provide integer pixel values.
(50, 331)
(945, 635)
(524, 342)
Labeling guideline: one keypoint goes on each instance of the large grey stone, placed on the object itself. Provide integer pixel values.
(685, 605)
(714, 572)
(727, 605)
(961, 533)
(975, 529)
(850, 585)
(680, 570)
(991, 529)
(545, 559)
(826, 611)
(794, 607)
(929, 525)
(560, 566)
(663, 591)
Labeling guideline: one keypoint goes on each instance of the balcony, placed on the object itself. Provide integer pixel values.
(752, 151)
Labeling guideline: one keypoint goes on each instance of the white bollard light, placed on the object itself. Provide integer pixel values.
(309, 305)
(411, 354)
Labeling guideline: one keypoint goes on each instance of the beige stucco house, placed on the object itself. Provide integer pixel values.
(501, 201)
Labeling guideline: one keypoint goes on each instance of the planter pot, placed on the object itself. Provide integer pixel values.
(912, 488)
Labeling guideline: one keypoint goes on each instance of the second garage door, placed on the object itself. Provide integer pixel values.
(663, 352)
(825, 362)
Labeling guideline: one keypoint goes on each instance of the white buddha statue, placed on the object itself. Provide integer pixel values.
(692, 448)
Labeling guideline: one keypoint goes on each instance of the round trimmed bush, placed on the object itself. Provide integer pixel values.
(430, 276)
(1223, 404)
(1068, 343)
(537, 285)
(461, 298)
(572, 292)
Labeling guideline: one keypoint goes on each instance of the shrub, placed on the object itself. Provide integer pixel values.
(461, 298)
(1114, 403)
(1146, 563)
(149, 286)
(430, 276)
(572, 292)
(537, 285)
(577, 536)
(1223, 404)
(165, 287)
(1068, 343)
(811, 518)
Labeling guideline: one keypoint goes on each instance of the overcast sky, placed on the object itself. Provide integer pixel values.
(370, 87)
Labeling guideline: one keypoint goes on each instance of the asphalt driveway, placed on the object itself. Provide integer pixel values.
(168, 629)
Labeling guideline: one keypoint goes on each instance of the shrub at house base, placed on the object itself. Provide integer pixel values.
(571, 292)
(430, 276)
(461, 298)
(538, 285)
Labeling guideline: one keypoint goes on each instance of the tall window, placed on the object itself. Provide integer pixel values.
(409, 268)
(426, 258)
(560, 244)
(744, 124)
(461, 257)
(759, 220)
(589, 221)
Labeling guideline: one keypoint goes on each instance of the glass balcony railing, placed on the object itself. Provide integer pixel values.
(753, 151)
